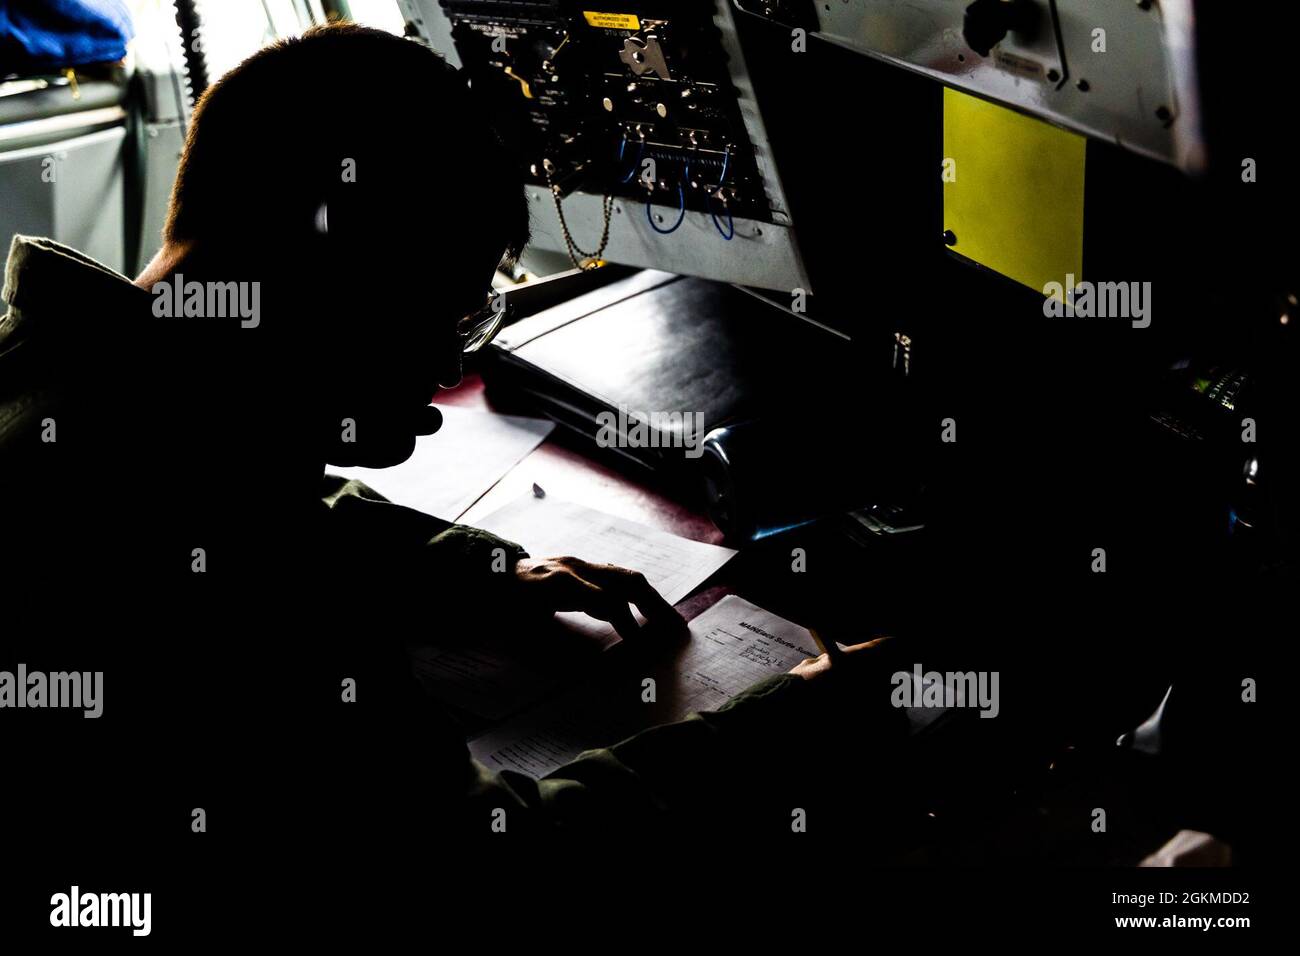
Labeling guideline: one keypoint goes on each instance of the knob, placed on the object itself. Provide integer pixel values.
(987, 22)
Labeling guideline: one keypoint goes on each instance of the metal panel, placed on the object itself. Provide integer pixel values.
(760, 254)
(1016, 202)
(1140, 92)
(90, 202)
(71, 191)
(28, 206)
(425, 19)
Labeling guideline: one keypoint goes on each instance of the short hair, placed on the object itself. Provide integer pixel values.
(269, 141)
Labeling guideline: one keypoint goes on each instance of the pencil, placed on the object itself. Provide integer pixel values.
(829, 648)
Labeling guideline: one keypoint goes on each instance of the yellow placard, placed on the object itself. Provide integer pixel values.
(1012, 191)
(612, 21)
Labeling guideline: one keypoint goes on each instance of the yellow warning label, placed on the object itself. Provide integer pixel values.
(612, 21)
(1013, 191)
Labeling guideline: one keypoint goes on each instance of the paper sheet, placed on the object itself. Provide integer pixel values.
(547, 527)
(493, 678)
(732, 646)
(454, 467)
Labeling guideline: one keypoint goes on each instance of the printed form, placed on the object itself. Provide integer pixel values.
(492, 682)
(731, 646)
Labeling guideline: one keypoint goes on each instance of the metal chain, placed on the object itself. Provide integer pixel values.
(576, 254)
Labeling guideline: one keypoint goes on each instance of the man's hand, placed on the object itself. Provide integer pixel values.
(812, 667)
(601, 590)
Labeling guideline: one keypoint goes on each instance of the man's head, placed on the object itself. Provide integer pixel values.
(350, 173)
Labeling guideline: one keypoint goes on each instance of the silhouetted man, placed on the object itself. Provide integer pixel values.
(337, 218)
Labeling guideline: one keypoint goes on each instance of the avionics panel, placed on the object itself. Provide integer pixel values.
(638, 133)
(1119, 70)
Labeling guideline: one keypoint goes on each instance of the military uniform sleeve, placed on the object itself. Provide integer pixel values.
(778, 747)
(745, 756)
(458, 554)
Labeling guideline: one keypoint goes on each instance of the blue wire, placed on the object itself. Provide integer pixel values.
(726, 158)
(640, 148)
(681, 206)
(731, 221)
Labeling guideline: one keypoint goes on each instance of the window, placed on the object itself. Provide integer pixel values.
(234, 29)
(381, 14)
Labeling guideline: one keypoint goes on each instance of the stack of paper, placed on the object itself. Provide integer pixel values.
(732, 646)
(454, 467)
(492, 675)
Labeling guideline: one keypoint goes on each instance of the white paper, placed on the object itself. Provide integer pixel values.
(458, 464)
(492, 678)
(732, 646)
(548, 528)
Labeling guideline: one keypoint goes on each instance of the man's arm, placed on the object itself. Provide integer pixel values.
(464, 553)
(479, 568)
(754, 756)
(782, 745)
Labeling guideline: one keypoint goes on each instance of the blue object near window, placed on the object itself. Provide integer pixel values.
(44, 36)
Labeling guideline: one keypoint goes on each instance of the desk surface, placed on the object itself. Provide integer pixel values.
(573, 476)
(828, 599)
(850, 593)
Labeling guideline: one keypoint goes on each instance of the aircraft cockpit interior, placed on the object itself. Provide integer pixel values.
(966, 324)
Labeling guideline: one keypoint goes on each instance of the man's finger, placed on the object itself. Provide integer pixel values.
(616, 612)
(634, 588)
(611, 607)
(592, 599)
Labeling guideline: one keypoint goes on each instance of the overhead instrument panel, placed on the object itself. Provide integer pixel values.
(639, 137)
(1119, 70)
